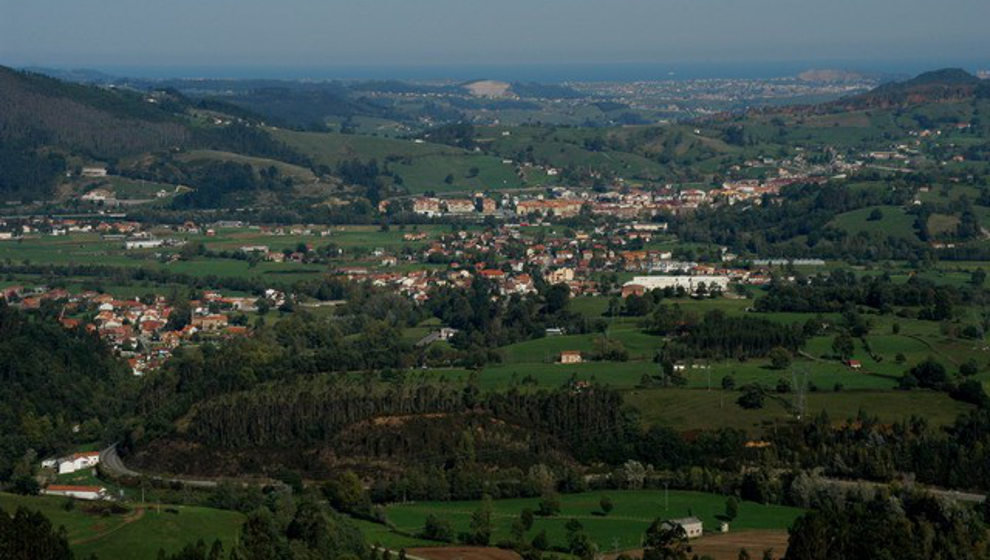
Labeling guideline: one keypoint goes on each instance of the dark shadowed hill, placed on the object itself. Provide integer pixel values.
(937, 86)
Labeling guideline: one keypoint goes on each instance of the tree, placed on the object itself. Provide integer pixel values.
(843, 346)
(481, 523)
(526, 516)
(728, 383)
(751, 398)
(665, 541)
(261, 538)
(581, 545)
(549, 505)
(437, 529)
(930, 374)
(606, 504)
(969, 368)
(731, 508)
(780, 358)
(346, 493)
(875, 215)
(540, 541)
(28, 535)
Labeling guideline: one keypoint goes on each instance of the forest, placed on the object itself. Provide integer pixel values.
(59, 385)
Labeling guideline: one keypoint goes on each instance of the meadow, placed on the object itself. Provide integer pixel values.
(422, 166)
(139, 534)
(621, 529)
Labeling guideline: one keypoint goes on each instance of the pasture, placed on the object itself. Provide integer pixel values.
(621, 529)
(139, 534)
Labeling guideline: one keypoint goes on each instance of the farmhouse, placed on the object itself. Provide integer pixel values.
(445, 333)
(98, 195)
(693, 527)
(77, 492)
(74, 462)
(94, 172)
(570, 357)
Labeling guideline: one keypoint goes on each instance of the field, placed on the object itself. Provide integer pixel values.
(422, 166)
(894, 222)
(139, 534)
(619, 530)
(357, 242)
(831, 386)
(698, 409)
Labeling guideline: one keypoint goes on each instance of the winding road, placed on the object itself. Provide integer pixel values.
(111, 462)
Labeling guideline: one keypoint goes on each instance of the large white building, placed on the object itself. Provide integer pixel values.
(689, 283)
(77, 492)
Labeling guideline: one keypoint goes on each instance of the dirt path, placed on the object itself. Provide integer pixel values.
(134, 516)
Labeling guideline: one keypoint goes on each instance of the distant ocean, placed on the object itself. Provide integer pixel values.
(545, 73)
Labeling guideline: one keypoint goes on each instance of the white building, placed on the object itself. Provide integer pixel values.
(74, 462)
(143, 243)
(77, 492)
(693, 527)
(94, 172)
(689, 283)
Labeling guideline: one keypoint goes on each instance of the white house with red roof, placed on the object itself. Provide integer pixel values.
(74, 462)
(77, 492)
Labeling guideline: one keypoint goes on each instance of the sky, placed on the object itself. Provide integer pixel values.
(109, 34)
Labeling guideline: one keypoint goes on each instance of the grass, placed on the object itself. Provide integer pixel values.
(698, 409)
(621, 529)
(894, 223)
(422, 166)
(130, 535)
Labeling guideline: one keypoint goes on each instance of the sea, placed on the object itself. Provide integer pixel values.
(550, 73)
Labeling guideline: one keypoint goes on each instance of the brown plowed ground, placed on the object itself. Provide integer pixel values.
(725, 546)
(462, 553)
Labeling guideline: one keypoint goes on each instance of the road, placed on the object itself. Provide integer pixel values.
(949, 494)
(115, 466)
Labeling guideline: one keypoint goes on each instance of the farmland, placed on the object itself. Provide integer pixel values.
(422, 167)
(139, 534)
(621, 529)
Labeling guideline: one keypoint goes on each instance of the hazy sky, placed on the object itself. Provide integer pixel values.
(108, 33)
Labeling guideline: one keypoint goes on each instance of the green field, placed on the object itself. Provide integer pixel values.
(894, 222)
(620, 530)
(139, 534)
(698, 409)
(422, 166)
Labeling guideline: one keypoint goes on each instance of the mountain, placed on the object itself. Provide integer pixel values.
(49, 127)
(938, 86)
(80, 75)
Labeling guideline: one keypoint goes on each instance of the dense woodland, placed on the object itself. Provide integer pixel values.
(55, 382)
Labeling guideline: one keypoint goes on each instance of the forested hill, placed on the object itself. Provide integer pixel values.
(48, 127)
(57, 386)
(937, 86)
(101, 122)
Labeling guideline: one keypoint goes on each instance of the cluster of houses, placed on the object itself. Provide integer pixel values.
(140, 330)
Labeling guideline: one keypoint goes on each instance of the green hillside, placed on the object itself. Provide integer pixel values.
(139, 533)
